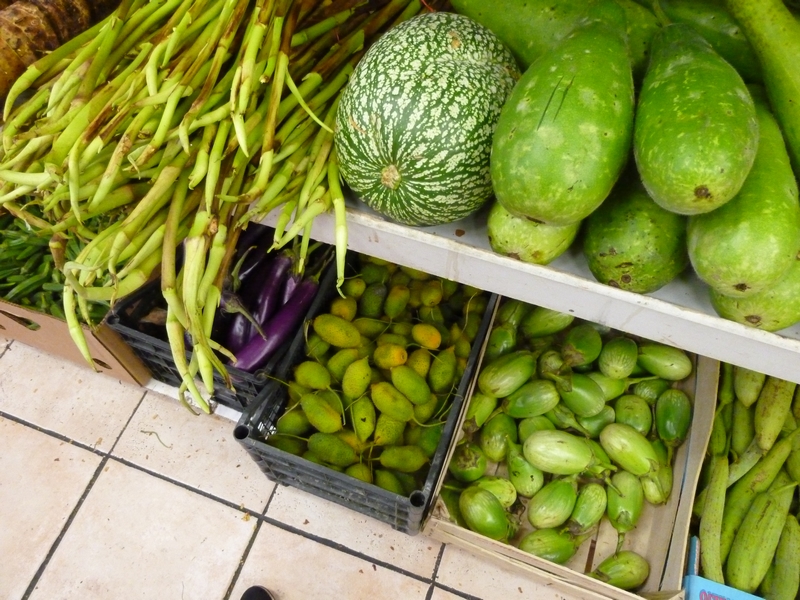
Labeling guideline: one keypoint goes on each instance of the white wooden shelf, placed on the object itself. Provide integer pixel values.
(679, 314)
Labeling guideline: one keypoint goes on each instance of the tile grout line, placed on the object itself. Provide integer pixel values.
(52, 433)
(458, 593)
(435, 573)
(342, 548)
(77, 507)
(246, 553)
(62, 533)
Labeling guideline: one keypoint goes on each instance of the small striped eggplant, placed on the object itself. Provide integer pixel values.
(558, 452)
(594, 425)
(479, 410)
(551, 544)
(468, 462)
(629, 449)
(541, 322)
(625, 501)
(673, 417)
(664, 361)
(633, 410)
(525, 478)
(495, 436)
(501, 487)
(582, 345)
(532, 399)
(617, 359)
(505, 374)
(484, 514)
(589, 508)
(585, 398)
(625, 569)
(527, 426)
(651, 389)
(553, 504)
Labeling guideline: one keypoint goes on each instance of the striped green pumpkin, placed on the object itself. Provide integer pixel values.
(415, 122)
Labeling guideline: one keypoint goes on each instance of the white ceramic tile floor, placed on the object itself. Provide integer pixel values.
(109, 491)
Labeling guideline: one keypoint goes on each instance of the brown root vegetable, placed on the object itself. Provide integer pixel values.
(11, 67)
(33, 22)
(102, 8)
(67, 17)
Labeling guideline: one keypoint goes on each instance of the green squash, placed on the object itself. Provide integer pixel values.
(414, 125)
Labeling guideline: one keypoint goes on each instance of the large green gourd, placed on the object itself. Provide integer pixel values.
(748, 244)
(772, 309)
(415, 122)
(712, 20)
(564, 134)
(630, 242)
(526, 240)
(774, 33)
(696, 130)
(529, 28)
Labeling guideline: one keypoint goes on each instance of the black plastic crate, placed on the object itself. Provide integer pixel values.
(149, 342)
(403, 513)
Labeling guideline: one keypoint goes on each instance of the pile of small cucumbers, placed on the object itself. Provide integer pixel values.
(569, 423)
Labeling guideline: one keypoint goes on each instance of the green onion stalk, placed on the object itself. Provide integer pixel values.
(177, 123)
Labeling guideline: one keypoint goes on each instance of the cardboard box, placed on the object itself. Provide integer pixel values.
(700, 588)
(50, 334)
(661, 535)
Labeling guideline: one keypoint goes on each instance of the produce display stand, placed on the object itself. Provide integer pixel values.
(44, 332)
(679, 314)
(661, 534)
(403, 513)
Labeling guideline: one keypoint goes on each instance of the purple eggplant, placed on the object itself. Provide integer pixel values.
(255, 257)
(280, 328)
(292, 281)
(270, 295)
(237, 321)
(262, 296)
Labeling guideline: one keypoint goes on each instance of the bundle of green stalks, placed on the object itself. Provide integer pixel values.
(185, 120)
